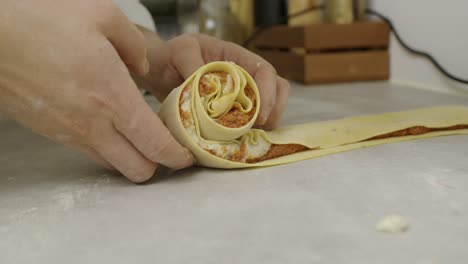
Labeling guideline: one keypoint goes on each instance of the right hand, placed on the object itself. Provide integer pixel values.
(64, 72)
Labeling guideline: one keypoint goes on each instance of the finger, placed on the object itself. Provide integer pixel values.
(282, 93)
(149, 135)
(265, 78)
(123, 156)
(143, 128)
(188, 61)
(129, 42)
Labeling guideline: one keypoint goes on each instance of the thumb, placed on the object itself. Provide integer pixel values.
(142, 127)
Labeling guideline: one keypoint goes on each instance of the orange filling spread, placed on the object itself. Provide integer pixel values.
(277, 151)
(416, 130)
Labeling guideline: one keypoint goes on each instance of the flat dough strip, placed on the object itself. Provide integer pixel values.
(318, 138)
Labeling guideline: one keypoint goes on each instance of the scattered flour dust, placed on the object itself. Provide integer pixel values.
(392, 224)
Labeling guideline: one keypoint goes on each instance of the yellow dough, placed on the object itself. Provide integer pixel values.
(214, 143)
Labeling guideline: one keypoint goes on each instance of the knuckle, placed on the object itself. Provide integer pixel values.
(99, 103)
(78, 129)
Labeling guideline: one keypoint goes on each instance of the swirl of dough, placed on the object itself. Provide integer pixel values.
(217, 107)
(218, 94)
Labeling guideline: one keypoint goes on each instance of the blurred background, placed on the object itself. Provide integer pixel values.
(232, 20)
(437, 27)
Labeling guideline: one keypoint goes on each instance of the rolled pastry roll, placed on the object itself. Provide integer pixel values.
(213, 111)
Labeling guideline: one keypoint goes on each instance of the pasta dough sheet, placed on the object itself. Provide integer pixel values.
(213, 111)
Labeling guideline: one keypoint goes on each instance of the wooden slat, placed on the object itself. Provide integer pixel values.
(326, 36)
(330, 67)
(356, 35)
(289, 65)
(280, 37)
(347, 66)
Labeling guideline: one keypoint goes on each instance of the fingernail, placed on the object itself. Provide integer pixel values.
(262, 120)
(264, 117)
(145, 66)
(190, 157)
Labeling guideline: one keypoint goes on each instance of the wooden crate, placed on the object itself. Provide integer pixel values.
(326, 53)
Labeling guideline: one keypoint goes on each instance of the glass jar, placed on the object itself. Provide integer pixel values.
(216, 19)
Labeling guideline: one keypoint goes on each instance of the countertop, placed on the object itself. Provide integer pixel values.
(57, 207)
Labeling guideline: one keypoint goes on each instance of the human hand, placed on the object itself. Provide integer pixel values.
(175, 60)
(64, 72)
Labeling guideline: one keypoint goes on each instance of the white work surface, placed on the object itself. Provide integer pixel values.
(56, 207)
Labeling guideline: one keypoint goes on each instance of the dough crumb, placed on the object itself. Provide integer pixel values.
(392, 224)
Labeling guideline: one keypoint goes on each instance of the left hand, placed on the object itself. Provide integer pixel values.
(173, 61)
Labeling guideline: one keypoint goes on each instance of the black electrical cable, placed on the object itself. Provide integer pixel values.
(415, 51)
(392, 27)
(263, 27)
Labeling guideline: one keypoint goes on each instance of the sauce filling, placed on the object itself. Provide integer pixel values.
(416, 130)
